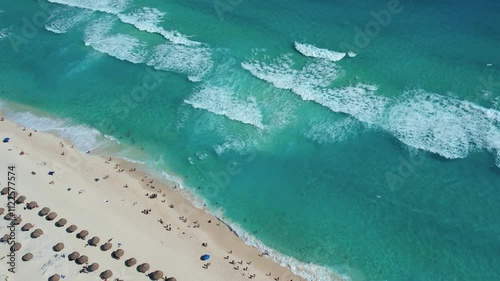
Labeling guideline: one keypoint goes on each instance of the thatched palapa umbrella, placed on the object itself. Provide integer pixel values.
(5, 238)
(16, 247)
(94, 241)
(27, 227)
(130, 262)
(20, 199)
(82, 234)
(171, 279)
(93, 267)
(32, 205)
(82, 259)
(44, 211)
(157, 275)
(106, 274)
(106, 246)
(143, 268)
(62, 222)
(1, 211)
(16, 221)
(37, 233)
(8, 216)
(58, 247)
(118, 254)
(73, 256)
(27, 257)
(55, 277)
(4, 191)
(51, 216)
(72, 228)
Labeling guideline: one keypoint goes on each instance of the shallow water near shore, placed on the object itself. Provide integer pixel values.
(381, 164)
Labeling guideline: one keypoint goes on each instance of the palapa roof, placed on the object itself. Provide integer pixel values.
(72, 228)
(106, 274)
(143, 268)
(44, 211)
(58, 247)
(51, 216)
(27, 257)
(62, 222)
(157, 275)
(37, 233)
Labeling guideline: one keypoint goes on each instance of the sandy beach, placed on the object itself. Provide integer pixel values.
(117, 202)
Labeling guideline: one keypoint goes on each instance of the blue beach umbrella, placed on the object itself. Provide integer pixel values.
(6, 140)
(205, 257)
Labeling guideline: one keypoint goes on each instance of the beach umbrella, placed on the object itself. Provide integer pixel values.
(106, 274)
(16, 247)
(5, 238)
(130, 262)
(8, 216)
(62, 222)
(83, 259)
(20, 199)
(171, 279)
(82, 234)
(58, 247)
(4, 191)
(93, 267)
(27, 257)
(37, 233)
(117, 254)
(51, 216)
(143, 268)
(6, 140)
(27, 227)
(106, 246)
(32, 205)
(16, 221)
(72, 228)
(157, 275)
(55, 277)
(73, 256)
(205, 257)
(1, 211)
(44, 211)
(94, 241)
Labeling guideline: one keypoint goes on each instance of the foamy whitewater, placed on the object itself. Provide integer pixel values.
(315, 52)
(367, 164)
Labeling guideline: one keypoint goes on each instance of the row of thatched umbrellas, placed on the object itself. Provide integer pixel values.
(75, 256)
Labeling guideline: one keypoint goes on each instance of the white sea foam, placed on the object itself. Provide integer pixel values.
(120, 46)
(352, 54)
(443, 125)
(105, 6)
(310, 84)
(315, 52)
(84, 138)
(5, 32)
(149, 19)
(431, 122)
(281, 73)
(220, 101)
(193, 61)
(62, 19)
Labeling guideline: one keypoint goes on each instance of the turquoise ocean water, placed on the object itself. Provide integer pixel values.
(379, 164)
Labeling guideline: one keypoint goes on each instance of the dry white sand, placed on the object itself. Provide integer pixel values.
(110, 211)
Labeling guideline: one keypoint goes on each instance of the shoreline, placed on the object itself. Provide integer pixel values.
(242, 242)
